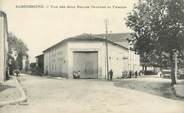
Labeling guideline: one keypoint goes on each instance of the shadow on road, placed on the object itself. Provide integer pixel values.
(159, 88)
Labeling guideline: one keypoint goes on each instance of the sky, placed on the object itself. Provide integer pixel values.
(41, 28)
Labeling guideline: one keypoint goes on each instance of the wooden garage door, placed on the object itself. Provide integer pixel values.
(87, 63)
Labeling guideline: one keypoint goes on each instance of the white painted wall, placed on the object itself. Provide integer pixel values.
(59, 60)
(3, 48)
(25, 63)
(118, 60)
(134, 61)
(56, 61)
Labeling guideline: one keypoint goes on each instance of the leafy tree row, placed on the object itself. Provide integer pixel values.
(158, 27)
(16, 50)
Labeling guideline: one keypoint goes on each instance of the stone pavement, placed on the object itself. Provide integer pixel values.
(11, 92)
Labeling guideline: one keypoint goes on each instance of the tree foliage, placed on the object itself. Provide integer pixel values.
(16, 44)
(158, 27)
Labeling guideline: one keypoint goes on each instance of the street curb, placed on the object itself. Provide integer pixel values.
(23, 97)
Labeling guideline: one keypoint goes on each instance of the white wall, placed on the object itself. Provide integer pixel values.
(3, 48)
(134, 61)
(59, 59)
(118, 57)
(122, 60)
(55, 60)
(24, 63)
(118, 60)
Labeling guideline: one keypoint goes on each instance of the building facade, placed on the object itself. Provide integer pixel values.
(40, 63)
(25, 63)
(3, 46)
(87, 53)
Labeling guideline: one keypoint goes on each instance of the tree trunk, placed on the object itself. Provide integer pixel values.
(145, 68)
(173, 79)
(142, 68)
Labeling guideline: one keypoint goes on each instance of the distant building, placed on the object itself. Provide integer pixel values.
(3, 46)
(33, 67)
(40, 63)
(87, 53)
(25, 63)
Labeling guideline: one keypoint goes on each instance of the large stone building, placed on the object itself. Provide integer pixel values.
(87, 53)
(3, 45)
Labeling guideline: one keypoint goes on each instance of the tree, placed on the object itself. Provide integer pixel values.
(158, 27)
(16, 46)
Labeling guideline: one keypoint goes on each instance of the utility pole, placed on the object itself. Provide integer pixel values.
(106, 45)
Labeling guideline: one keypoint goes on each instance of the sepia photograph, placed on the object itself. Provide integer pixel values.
(92, 56)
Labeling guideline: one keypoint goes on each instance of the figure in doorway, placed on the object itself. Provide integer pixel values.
(111, 74)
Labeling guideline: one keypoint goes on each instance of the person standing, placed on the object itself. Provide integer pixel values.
(111, 74)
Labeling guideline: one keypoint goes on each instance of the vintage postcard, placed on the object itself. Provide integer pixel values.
(91, 56)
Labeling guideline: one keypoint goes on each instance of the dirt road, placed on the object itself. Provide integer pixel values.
(138, 95)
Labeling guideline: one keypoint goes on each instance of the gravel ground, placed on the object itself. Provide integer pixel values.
(151, 84)
(139, 95)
